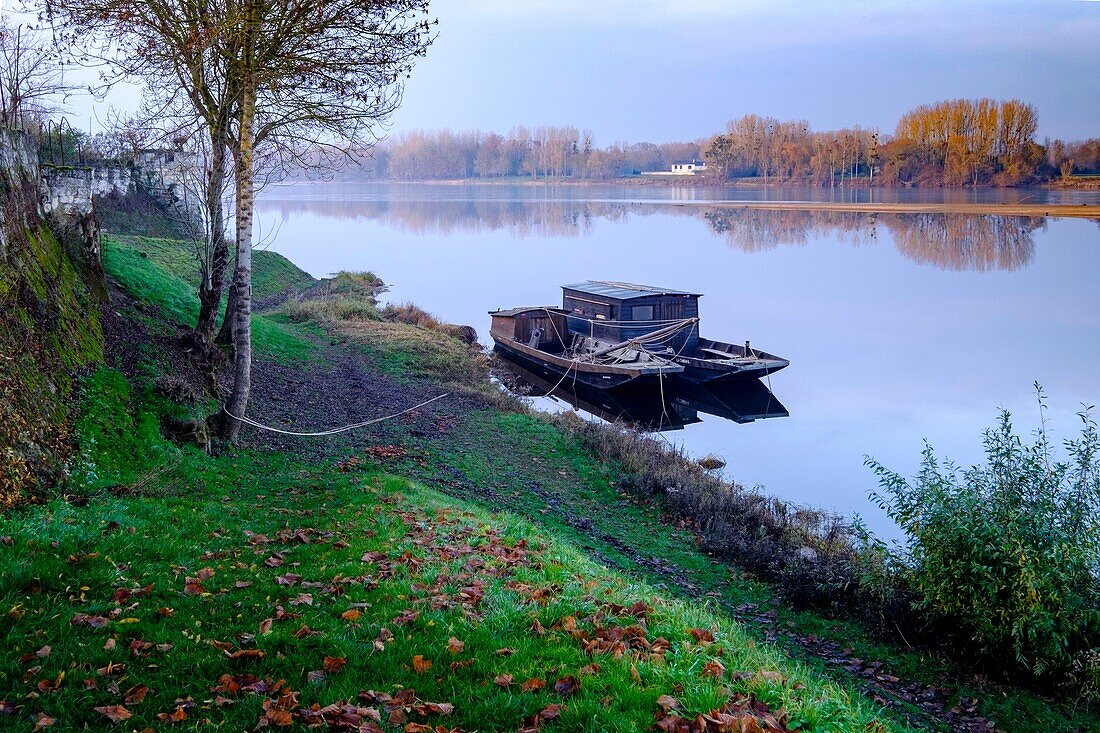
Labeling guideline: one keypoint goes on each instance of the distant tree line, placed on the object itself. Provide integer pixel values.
(952, 143)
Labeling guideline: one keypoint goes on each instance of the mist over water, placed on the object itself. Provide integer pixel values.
(899, 327)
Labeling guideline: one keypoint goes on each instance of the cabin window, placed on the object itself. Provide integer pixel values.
(642, 313)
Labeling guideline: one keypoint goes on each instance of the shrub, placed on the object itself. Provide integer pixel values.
(1007, 552)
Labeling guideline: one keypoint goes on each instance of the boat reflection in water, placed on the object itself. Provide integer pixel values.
(649, 407)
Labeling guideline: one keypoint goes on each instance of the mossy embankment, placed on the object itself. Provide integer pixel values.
(469, 520)
(49, 333)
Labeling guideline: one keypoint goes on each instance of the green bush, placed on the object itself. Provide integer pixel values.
(1008, 552)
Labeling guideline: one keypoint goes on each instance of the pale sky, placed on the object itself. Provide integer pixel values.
(634, 70)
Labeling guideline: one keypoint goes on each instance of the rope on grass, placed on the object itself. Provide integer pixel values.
(334, 431)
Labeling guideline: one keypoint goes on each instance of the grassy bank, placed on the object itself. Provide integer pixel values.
(482, 520)
(252, 589)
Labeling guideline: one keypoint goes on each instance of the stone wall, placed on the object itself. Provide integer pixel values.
(68, 192)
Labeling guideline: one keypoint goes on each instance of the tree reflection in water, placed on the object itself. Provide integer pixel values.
(946, 241)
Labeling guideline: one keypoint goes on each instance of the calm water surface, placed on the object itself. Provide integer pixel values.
(899, 328)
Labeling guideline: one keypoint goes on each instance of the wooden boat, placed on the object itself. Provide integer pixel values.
(610, 312)
(539, 339)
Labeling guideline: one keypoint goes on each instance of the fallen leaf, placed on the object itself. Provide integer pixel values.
(454, 646)
(116, 713)
(701, 635)
(135, 694)
(503, 680)
(265, 626)
(248, 654)
(567, 685)
(333, 665)
(533, 685)
(43, 652)
(714, 668)
(352, 614)
(420, 664)
(667, 702)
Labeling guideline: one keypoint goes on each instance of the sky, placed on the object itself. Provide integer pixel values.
(662, 70)
(680, 69)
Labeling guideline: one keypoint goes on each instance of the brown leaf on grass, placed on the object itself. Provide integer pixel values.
(503, 680)
(550, 712)
(247, 654)
(115, 713)
(667, 702)
(352, 614)
(305, 631)
(265, 626)
(333, 665)
(407, 616)
(505, 652)
(43, 652)
(242, 584)
(109, 644)
(417, 728)
(533, 685)
(83, 619)
(635, 674)
(53, 685)
(176, 716)
(303, 599)
(714, 669)
(135, 694)
(315, 676)
(701, 636)
(111, 669)
(567, 685)
(193, 588)
(288, 579)
(588, 670)
(455, 646)
(538, 628)
(205, 574)
(420, 664)
(42, 721)
(165, 612)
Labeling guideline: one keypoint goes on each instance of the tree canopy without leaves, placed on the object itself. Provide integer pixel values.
(31, 79)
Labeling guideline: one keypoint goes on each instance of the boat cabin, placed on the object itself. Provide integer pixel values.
(613, 311)
(540, 328)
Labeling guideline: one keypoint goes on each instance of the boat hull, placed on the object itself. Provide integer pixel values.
(557, 369)
(714, 362)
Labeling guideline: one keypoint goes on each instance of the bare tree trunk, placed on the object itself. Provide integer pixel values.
(213, 280)
(225, 333)
(246, 195)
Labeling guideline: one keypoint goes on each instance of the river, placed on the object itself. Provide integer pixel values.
(899, 327)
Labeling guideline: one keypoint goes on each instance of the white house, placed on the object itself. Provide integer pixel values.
(688, 168)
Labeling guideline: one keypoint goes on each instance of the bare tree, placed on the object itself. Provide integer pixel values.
(31, 79)
(283, 74)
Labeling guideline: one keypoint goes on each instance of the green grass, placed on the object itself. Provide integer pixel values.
(525, 464)
(157, 272)
(205, 524)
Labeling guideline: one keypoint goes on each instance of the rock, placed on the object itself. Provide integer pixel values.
(465, 334)
(808, 554)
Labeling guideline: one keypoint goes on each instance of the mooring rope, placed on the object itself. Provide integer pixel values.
(261, 426)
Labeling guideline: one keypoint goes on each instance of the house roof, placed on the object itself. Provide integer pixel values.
(623, 291)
